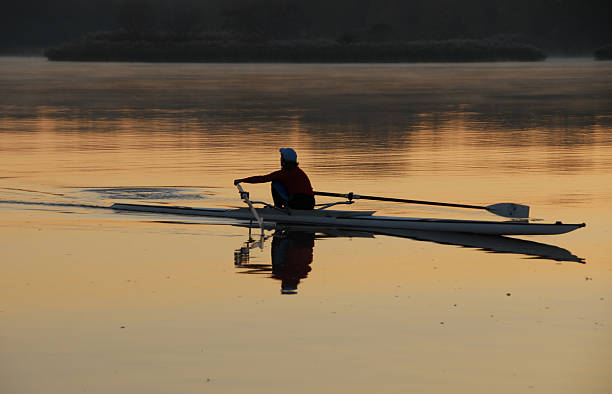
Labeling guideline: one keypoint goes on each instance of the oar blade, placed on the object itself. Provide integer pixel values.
(509, 210)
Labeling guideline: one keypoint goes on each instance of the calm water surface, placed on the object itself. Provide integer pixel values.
(96, 301)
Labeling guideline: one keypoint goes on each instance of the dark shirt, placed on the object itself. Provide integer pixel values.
(295, 180)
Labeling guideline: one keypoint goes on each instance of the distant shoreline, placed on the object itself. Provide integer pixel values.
(604, 52)
(118, 46)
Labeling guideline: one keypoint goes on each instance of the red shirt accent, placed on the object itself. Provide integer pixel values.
(295, 180)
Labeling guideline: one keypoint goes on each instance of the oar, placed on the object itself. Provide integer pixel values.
(506, 209)
(245, 197)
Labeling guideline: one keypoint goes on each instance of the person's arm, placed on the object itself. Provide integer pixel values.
(273, 176)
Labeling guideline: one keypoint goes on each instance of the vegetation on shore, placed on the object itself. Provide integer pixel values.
(121, 45)
(559, 27)
(604, 52)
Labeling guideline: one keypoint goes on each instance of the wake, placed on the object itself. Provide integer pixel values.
(53, 204)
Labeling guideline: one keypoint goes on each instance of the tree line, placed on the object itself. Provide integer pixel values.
(559, 26)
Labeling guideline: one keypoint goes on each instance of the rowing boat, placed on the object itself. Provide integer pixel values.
(361, 220)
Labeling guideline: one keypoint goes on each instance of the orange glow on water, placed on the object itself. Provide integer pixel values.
(95, 300)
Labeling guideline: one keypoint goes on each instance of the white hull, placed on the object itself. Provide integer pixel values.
(365, 220)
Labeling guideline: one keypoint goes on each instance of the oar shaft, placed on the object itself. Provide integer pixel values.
(245, 197)
(352, 196)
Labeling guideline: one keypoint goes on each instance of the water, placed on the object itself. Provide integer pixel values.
(97, 301)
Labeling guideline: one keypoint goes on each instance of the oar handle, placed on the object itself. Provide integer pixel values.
(352, 196)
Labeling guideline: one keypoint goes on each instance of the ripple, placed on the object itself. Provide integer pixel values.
(146, 193)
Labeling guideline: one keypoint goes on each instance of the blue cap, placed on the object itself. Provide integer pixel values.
(288, 154)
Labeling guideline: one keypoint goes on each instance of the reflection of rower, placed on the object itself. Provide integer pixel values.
(291, 257)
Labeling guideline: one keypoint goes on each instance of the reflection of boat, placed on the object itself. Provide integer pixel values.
(363, 219)
(490, 243)
(292, 248)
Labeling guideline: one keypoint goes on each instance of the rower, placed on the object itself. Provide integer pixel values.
(291, 187)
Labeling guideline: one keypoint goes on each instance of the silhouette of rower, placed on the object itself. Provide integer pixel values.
(291, 187)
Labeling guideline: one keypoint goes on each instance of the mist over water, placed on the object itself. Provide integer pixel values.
(171, 298)
(377, 116)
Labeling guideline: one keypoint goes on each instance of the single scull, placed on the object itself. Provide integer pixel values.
(361, 220)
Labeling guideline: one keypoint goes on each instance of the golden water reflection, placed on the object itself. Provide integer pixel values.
(407, 311)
